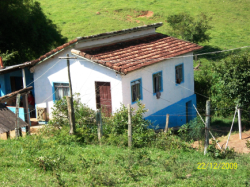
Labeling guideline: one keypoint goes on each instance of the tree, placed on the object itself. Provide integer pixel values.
(25, 29)
(8, 56)
(188, 28)
(232, 82)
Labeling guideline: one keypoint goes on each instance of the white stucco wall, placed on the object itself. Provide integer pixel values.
(83, 77)
(171, 93)
(83, 74)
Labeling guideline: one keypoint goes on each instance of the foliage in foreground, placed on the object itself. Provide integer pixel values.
(62, 160)
(115, 128)
(55, 158)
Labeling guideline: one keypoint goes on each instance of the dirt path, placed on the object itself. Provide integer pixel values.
(234, 142)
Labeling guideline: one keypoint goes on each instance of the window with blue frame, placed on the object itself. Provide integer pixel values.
(136, 90)
(179, 74)
(61, 90)
(157, 82)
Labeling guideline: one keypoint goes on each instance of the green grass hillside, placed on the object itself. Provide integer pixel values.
(230, 18)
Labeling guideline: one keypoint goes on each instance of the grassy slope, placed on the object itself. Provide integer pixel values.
(112, 166)
(78, 18)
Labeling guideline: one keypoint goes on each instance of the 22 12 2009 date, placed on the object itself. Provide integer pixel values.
(223, 165)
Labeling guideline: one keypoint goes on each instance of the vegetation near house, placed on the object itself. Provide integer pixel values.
(25, 31)
(55, 158)
(189, 28)
(232, 82)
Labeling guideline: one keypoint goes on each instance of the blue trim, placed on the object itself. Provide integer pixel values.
(182, 73)
(140, 90)
(158, 118)
(161, 82)
(53, 90)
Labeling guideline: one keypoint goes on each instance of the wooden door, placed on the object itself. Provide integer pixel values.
(103, 97)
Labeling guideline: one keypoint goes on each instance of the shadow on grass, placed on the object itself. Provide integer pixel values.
(219, 55)
(215, 56)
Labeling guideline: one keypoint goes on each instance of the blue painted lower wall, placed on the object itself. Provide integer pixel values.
(177, 113)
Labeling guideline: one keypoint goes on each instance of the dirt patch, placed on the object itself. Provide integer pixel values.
(130, 19)
(146, 14)
(234, 142)
(33, 130)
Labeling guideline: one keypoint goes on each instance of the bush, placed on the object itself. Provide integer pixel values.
(116, 127)
(232, 77)
(189, 28)
(248, 144)
(214, 152)
(192, 131)
(83, 114)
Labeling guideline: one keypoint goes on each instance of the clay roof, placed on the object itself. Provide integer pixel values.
(92, 37)
(134, 54)
(8, 118)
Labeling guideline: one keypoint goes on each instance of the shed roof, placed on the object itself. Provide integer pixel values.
(9, 96)
(134, 54)
(8, 118)
(16, 67)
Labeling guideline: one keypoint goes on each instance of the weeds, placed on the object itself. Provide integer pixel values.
(216, 153)
(248, 144)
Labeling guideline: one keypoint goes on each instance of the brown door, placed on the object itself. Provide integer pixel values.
(103, 97)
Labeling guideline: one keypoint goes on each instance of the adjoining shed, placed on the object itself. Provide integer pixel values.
(8, 118)
(7, 114)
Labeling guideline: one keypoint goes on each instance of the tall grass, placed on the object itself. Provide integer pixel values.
(40, 161)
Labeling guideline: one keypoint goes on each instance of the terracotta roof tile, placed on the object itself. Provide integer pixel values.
(134, 54)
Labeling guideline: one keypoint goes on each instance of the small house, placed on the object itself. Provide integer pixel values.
(122, 67)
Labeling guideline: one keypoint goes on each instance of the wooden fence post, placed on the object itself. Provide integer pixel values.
(239, 123)
(167, 121)
(8, 135)
(17, 129)
(70, 113)
(99, 124)
(129, 127)
(207, 125)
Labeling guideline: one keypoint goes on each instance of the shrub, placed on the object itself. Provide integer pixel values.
(214, 152)
(248, 144)
(194, 130)
(83, 114)
(116, 127)
(189, 28)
